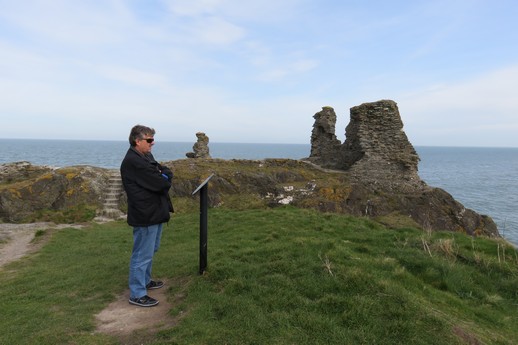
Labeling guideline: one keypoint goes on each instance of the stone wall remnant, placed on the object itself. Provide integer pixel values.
(200, 148)
(375, 143)
(381, 166)
(325, 147)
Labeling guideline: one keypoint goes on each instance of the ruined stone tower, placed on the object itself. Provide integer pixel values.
(375, 144)
(325, 147)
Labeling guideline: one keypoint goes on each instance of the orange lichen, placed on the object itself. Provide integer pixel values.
(334, 193)
(15, 192)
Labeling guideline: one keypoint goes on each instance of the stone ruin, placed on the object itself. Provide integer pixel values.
(375, 144)
(200, 148)
(376, 168)
(380, 165)
(325, 147)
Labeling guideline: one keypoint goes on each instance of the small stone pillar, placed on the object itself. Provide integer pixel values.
(200, 148)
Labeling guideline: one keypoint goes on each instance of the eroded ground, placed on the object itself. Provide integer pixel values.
(130, 324)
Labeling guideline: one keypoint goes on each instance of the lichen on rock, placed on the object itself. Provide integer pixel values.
(26, 188)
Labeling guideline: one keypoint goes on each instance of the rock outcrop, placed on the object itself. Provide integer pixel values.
(373, 173)
(382, 166)
(200, 148)
(246, 184)
(26, 189)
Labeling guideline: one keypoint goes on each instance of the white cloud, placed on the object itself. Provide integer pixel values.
(68, 22)
(488, 94)
(289, 69)
(214, 30)
(482, 111)
(132, 76)
(262, 11)
(193, 8)
(264, 67)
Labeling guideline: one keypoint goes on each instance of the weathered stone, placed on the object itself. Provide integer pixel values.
(376, 145)
(200, 148)
(382, 166)
(325, 147)
(20, 171)
(45, 188)
(374, 174)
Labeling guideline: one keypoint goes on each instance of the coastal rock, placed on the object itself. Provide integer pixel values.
(374, 173)
(382, 166)
(20, 171)
(200, 148)
(26, 189)
(243, 184)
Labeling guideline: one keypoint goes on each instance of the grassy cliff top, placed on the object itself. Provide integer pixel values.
(275, 276)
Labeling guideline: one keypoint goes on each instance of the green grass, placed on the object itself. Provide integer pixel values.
(275, 276)
(70, 215)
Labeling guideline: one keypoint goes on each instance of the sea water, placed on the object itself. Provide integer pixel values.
(109, 154)
(482, 179)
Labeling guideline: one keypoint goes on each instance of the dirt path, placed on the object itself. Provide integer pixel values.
(130, 324)
(16, 240)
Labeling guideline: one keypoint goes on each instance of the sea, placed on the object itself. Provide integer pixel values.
(482, 179)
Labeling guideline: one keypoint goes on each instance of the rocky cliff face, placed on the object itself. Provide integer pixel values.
(25, 189)
(242, 184)
(383, 169)
(373, 173)
(268, 183)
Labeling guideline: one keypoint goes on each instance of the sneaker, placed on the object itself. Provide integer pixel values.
(144, 301)
(154, 285)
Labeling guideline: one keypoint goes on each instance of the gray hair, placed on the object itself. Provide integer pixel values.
(138, 132)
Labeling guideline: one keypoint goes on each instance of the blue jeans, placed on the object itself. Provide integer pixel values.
(146, 241)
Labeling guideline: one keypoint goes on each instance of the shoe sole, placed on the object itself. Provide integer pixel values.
(142, 305)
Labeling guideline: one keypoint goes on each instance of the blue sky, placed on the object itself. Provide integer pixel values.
(257, 71)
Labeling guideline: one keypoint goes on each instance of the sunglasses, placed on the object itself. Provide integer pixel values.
(149, 140)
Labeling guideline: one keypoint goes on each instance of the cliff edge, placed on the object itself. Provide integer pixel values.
(382, 166)
(374, 173)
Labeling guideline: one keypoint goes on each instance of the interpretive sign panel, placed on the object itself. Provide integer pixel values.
(204, 207)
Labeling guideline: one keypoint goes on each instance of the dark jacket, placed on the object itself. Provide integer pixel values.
(147, 189)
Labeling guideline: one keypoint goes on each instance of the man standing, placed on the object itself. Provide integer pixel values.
(147, 185)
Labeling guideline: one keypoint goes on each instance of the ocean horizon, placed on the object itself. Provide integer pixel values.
(109, 153)
(484, 179)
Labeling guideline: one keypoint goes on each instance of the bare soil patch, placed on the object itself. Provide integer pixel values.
(133, 324)
(128, 323)
(16, 240)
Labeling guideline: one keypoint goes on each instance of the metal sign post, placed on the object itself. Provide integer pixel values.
(204, 206)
